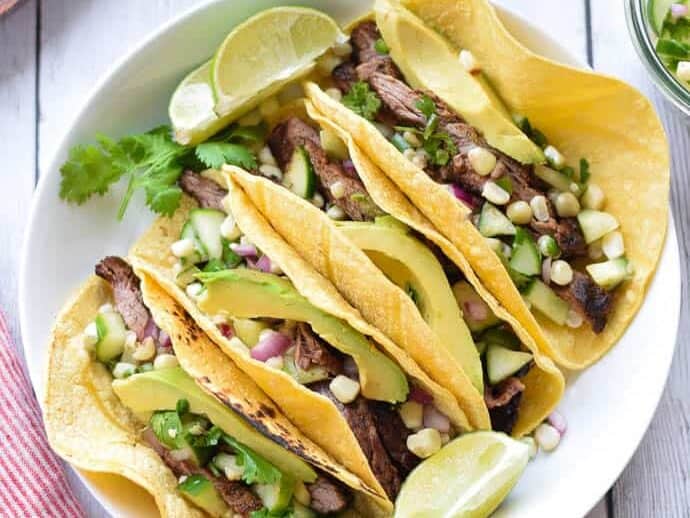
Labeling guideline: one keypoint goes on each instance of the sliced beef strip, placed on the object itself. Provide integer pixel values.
(363, 39)
(588, 299)
(127, 294)
(293, 133)
(344, 75)
(567, 234)
(310, 351)
(328, 496)
(394, 433)
(206, 192)
(399, 98)
(503, 401)
(360, 418)
(236, 495)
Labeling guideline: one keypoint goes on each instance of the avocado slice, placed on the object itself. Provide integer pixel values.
(161, 390)
(429, 63)
(248, 330)
(243, 293)
(200, 491)
(410, 264)
(466, 296)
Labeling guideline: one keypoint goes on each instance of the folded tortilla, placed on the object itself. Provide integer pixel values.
(90, 428)
(319, 241)
(583, 114)
(313, 413)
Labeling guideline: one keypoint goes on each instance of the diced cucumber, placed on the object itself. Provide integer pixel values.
(303, 377)
(610, 274)
(248, 330)
(187, 276)
(492, 222)
(199, 255)
(525, 258)
(399, 142)
(206, 224)
(553, 177)
(301, 511)
(501, 363)
(333, 145)
(545, 300)
(112, 333)
(200, 491)
(657, 10)
(501, 336)
(299, 174)
(596, 224)
(467, 297)
(276, 497)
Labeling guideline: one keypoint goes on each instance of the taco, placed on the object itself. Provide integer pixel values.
(532, 226)
(337, 378)
(136, 389)
(377, 218)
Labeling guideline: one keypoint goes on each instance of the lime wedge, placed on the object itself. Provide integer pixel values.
(267, 51)
(468, 478)
(191, 108)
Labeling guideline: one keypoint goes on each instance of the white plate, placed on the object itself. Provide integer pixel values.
(608, 407)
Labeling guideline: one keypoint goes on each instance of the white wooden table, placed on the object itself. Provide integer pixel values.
(53, 51)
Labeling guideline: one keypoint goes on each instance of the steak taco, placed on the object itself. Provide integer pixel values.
(337, 378)
(562, 248)
(408, 253)
(136, 389)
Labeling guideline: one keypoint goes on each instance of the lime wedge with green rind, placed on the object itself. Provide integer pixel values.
(191, 108)
(468, 478)
(267, 51)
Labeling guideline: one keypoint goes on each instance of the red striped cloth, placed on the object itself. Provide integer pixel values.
(32, 479)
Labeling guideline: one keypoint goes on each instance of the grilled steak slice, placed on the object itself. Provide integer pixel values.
(567, 234)
(328, 496)
(127, 294)
(236, 495)
(294, 133)
(311, 350)
(206, 192)
(361, 420)
(399, 98)
(503, 401)
(394, 433)
(344, 75)
(588, 299)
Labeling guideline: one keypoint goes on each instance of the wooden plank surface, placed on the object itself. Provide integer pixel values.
(655, 483)
(80, 39)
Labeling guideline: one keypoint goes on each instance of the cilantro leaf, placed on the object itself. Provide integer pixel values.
(164, 201)
(584, 170)
(215, 154)
(426, 105)
(256, 468)
(381, 46)
(362, 100)
(89, 170)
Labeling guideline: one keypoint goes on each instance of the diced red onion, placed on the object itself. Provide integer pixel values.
(271, 345)
(679, 11)
(435, 419)
(164, 339)
(557, 420)
(546, 270)
(245, 250)
(476, 309)
(464, 196)
(349, 167)
(151, 329)
(226, 330)
(263, 264)
(350, 368)
(420, 396)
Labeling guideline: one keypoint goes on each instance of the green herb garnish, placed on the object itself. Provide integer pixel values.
(256, 468)
(381, 46)
(362, 100)
(152, 161)
(426, 105)
(584, 171)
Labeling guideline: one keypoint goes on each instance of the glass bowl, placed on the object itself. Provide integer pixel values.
(644, 39)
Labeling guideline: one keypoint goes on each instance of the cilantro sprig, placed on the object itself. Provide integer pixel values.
(151, 162)
(256, 468)
(362, 100)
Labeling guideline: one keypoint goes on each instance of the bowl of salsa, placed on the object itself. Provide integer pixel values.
(660, 30)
